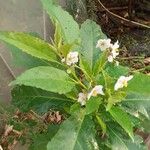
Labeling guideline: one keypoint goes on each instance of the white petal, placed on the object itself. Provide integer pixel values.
(114, 53)
(117, 63)
(72, 58)
(63, 60)
(69, 63)
(103, 44)
(82, 98)
(110, 58)
(99, 89)
(121, 82)
(117, 86)
(115, 46)
(129, 78)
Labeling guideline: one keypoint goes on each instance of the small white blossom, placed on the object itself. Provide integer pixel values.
(113, 52)
(136, 114)
(71, 59)
(115, 46)
(117, 63)
(69, 71)
(110, 58)
(95, 145)
(103, 44)
(98, 89)
(122, 82)
(63, 60)
(82, 97)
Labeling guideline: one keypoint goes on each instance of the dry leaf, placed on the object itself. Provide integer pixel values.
(8, 129)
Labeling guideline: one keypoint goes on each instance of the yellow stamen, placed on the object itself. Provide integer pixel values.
(94, 93)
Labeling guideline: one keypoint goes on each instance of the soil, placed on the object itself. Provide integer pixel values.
(129, 22)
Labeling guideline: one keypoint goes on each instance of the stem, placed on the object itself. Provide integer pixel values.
(142, 69)
(104, 78)
(84, 72)
(77, 80)
(133, 57)
(80, 83)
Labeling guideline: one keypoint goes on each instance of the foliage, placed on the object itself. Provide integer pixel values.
(80, 80)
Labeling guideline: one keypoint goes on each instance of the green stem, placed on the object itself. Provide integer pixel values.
(77, 79)
(104, 78)
(84, 72)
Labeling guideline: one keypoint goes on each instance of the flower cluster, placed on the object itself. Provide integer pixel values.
(83, 97)
(122, 82)
(71, 58)
(98, 89)
(105, 44)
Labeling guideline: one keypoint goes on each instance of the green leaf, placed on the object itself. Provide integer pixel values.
(40, 140)
(137, 102)
(65, 49)
(115, 98)
(116, 71)
(120, 143)
(21, 59)
(46, 78)
(100, 64)
(76, 133)
(27, 98)
(101, 123)
(134, 146)
(140, 84)
(92, 105)
(138, 98)
(58, 35)
(85, 68)
(29, 44)
(90, 33)
(69, 26)
(123, 119)
(116, 140)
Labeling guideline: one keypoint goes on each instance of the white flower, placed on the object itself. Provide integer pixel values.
(122, 82)
(1, 147)
(103, 44)
(71, 59)
(117, 63)
(63, 60)
(115, 46)
(98, 89)
(113, 52)
(95, 144)
(110, 58)
(82, 97)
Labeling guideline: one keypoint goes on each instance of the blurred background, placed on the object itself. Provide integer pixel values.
(24, 16)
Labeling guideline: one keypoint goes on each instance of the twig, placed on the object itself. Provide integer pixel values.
(134, 57)
(130, 4)
(11, 72)
(115, 8)
(123, 19)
